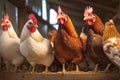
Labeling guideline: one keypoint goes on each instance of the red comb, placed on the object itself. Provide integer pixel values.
(88, 9)
(59, 10)
(5, 17)
(33, 18)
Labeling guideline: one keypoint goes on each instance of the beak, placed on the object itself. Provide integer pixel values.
(36, 25)
(85, 18)
(59, 17)
(111, 20)
(3, 23)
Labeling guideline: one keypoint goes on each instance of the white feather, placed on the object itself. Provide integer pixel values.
(36, 52)
(111, 49)
(10, 47)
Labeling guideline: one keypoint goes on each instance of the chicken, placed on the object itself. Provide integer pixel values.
(93, 21)
(67, 44)
(94, 48)
(111, 43)
(33, 46)
(9, 45)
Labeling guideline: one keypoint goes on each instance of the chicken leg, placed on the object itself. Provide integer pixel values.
(15, 69)
(63, 71)
(106, 69)
(33, 69)
(77, 68)
(119, 69)
(46, 69)
(96, 66)
(30, 68)
(7, 65)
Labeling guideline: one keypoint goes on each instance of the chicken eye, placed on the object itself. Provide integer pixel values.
(7, 22)
(110, 24)
(30, 22)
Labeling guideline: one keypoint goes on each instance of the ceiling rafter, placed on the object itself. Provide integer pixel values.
(108, 8)
(19, 4)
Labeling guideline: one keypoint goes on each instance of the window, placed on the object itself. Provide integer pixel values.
(53, 18)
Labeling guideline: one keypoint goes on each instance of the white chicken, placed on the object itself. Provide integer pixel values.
(34, 47)
(9, 45)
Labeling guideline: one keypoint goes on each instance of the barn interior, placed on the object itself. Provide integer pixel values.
(46, 14)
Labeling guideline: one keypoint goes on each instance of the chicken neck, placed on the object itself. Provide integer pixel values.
(70, 28)
(98, 26)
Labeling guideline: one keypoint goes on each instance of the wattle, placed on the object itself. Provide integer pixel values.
(60, 21)
(32, 29)
(89, 22)
(5, 28)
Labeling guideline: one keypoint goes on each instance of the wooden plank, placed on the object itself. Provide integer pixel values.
(59, 76)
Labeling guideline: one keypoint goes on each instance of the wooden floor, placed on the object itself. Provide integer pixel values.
(60, 76)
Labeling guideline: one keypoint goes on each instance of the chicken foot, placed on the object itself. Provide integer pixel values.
(77, 68)
(46, 69)
(63, 69)
(96, 66)
(7, 66)
(119, 69)
(106, 69)
(15, 69)
(33, 69)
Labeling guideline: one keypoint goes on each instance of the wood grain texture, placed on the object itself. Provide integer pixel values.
(59, 76)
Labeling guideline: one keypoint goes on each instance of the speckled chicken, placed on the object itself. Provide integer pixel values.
(111, 43)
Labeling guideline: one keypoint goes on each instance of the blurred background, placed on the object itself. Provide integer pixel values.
(45, 11)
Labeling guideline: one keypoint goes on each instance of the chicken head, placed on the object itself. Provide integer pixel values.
(5, 23)
(89, 17)
(32, 23)
(62, 17)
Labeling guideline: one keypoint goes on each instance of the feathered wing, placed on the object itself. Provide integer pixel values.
(94, 47)
(71, 42)
(18, 58)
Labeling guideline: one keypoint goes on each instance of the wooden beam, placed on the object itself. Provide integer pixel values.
(18, 3)
(98, 5)
(75, 7)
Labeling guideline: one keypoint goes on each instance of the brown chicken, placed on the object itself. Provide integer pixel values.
(67, 44)
(94, 39)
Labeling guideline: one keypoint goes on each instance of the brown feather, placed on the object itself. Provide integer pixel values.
(110, 31)
(98, 26)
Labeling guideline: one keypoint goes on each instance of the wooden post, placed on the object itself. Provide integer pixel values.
(21, 19)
